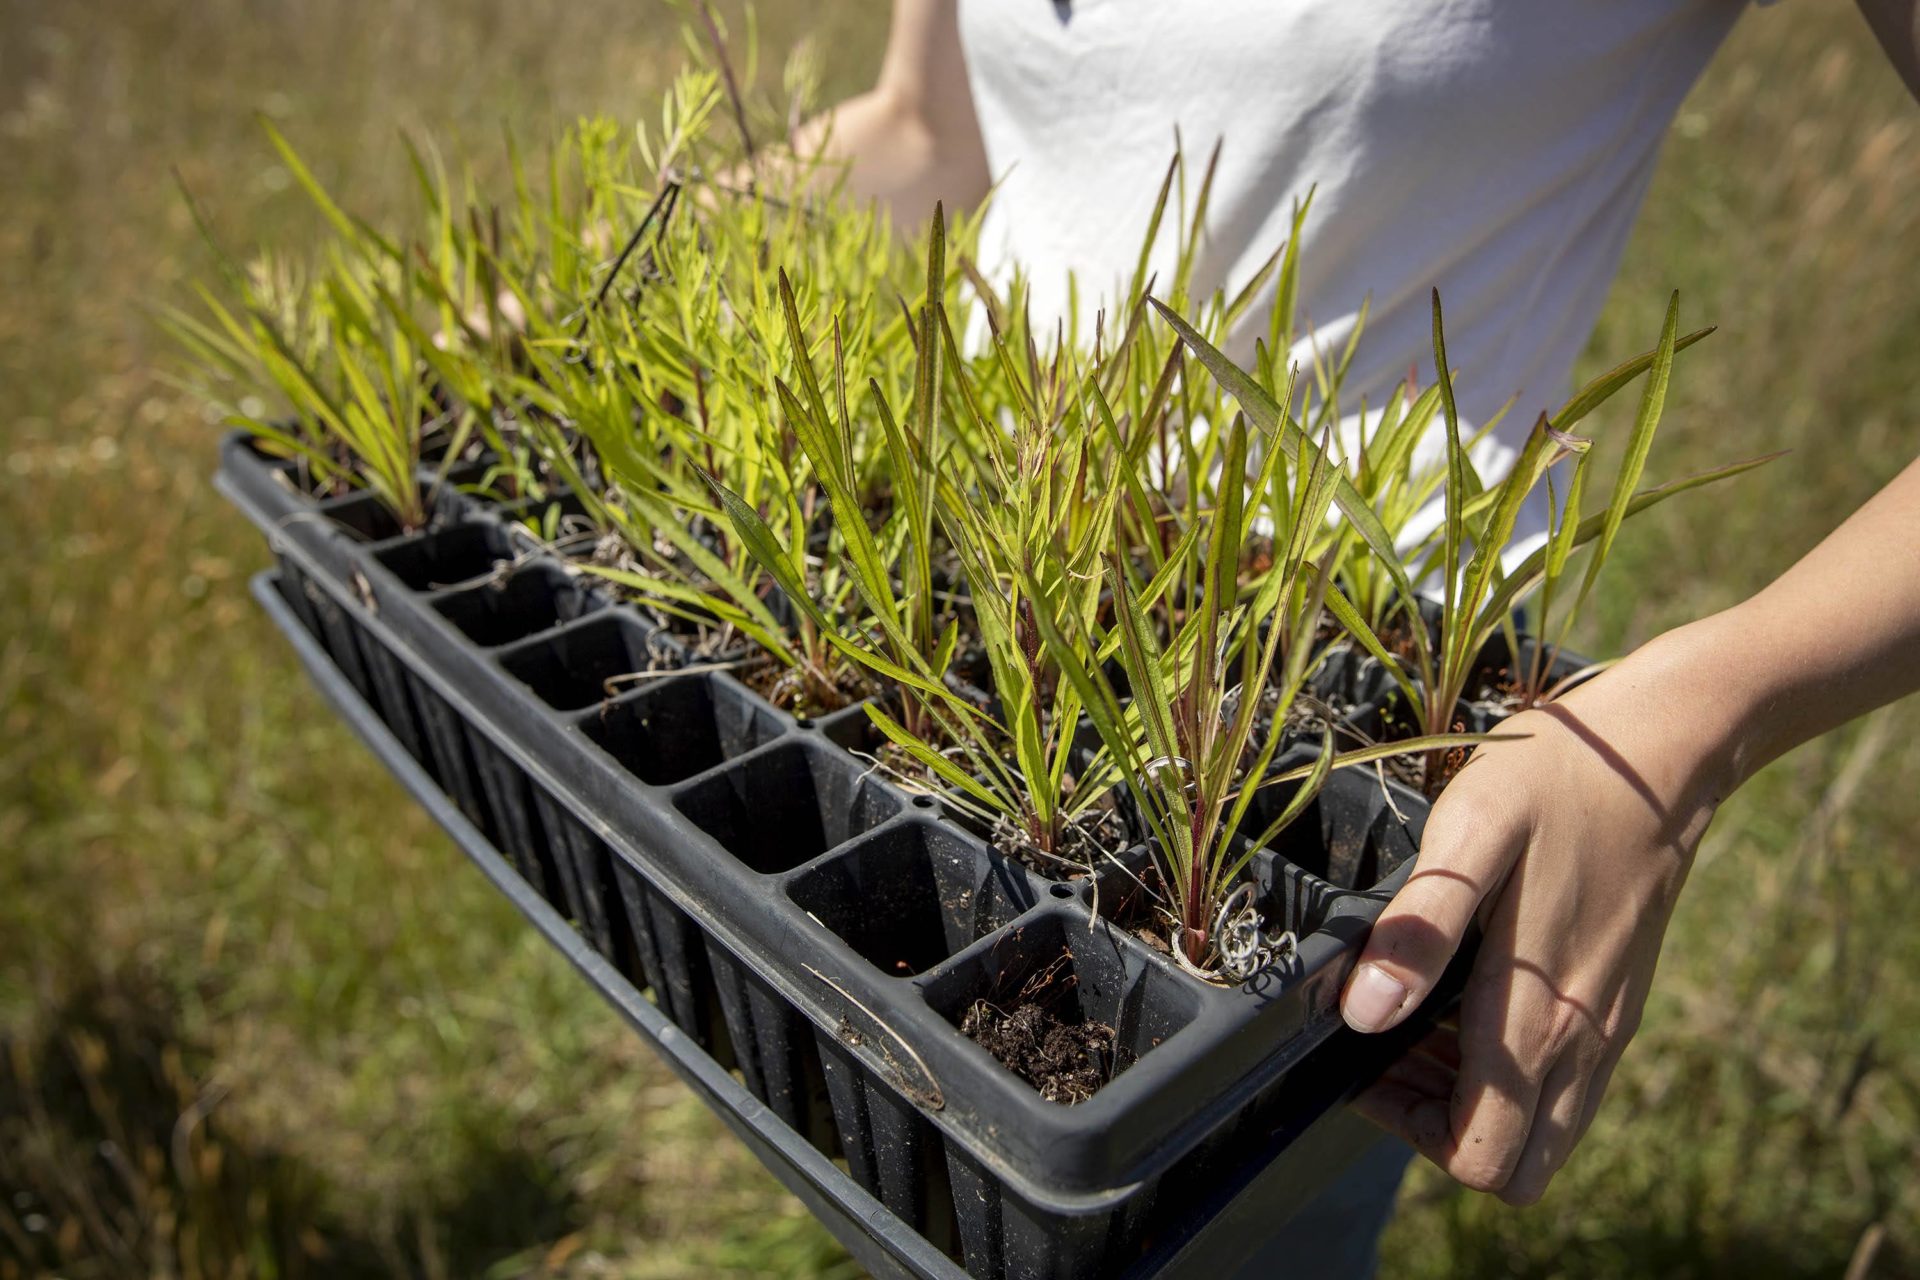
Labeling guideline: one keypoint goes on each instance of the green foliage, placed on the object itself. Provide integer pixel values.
(376, 1013)
(1380, 570)
(851, 470)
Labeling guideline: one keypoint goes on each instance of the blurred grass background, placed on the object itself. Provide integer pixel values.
(258, 1018)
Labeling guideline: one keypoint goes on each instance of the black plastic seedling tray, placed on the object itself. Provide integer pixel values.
(1225, 1227)
(820, 932)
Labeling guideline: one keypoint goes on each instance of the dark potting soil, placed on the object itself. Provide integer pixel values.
(1397, 639)
(1504, 691)
(1066, 1062)
(786, 689)
(1081, 853)
(1451, 762)
(1411, 770)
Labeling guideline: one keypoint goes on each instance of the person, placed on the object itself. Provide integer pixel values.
(1498, 151)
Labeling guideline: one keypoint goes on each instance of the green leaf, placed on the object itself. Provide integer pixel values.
(1349, 618)
(1266, 413)
(1646, 422)
(764, 547)
(1601, 389)
(1526, 575)
(1405, 747)
(1141, 659)
(1456, 490)
(932, 760)
(351, 229)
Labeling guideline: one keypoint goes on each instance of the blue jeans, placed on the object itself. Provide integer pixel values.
(1337, 1235)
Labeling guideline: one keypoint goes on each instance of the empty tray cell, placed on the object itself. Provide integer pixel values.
(1354, 834)
(449, 557)
(1059, 971)
(787, 805)
(537, 598)
(672, 729)
(586, 662)
(911, 895)
(364, 516)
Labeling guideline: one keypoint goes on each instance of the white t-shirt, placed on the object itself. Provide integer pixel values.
(1496, 149)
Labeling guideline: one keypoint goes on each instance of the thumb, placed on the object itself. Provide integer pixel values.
(1462, 859)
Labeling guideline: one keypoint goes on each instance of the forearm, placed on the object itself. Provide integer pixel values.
(1835, 636)
(913, 139)
(893, 154)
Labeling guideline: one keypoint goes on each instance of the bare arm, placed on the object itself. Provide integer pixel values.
(1897, 24)
(1570, 847)
(1836, 636)
(912, 139)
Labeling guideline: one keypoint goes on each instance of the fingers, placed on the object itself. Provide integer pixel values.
(1466, 851)
(1414, 1101)
(1476, 1128)
(1498, 1102)
(1491, 1113)
(1409, 947)
(1556, 1127)
(1410, 1101)
(1442, 1044)
(1569, 1098)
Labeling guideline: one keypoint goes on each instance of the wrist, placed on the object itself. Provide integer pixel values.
(1700, 692)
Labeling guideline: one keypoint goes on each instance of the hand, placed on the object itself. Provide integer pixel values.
(1570, 846)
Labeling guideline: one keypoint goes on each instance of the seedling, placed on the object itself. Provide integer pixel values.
(1478, 595)
(820, 486)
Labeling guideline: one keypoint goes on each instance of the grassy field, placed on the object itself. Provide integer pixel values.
(257, 1017)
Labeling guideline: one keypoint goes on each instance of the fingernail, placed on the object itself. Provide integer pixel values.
(1373, 997)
